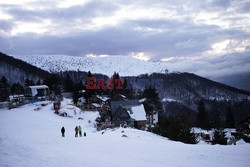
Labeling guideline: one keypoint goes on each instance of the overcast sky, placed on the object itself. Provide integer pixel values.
(207, 37)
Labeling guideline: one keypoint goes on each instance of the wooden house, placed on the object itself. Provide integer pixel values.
(138, 114)
(121, 116)
(129, 112)
(94, 103)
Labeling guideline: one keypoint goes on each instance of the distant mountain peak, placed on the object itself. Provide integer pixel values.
(125, 65)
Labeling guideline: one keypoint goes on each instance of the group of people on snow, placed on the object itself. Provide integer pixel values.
(78, 130)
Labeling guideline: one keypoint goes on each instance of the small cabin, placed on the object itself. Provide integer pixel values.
(39, 91)
(130, 112)
(139, 115)
(94, 103)
(17, 100)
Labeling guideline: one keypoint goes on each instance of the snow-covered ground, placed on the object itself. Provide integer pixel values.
(30, 137)
(126, 66)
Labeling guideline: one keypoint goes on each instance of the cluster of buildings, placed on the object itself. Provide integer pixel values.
(113, 113)
(122, 112)
(32, 94)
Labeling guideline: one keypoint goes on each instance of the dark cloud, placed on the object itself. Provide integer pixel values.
(243, 7)
(241, 80)
(221, 3)
(179, 39)
(87, 11)
(214, 67)
(174, 31)
(5, 25)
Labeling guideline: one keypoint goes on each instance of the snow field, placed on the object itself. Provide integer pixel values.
(33, 138)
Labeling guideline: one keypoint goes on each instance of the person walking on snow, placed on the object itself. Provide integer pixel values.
(80, 131)
(63, 131)
(76, 130)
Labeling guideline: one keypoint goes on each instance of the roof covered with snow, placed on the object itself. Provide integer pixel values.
(138, 113)
(82, 99)
(115, 104)
(103, 98)
(96, 104)
(142, 100)
(39, 87)
(168, 100)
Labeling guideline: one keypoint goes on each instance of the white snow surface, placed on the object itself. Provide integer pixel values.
(103, 98)
(138, 113)
(30, 136)
(96, 104)
(125, 65)
(168, 100)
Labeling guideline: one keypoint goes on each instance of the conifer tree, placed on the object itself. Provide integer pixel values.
(203, 117)
(76, 91)
(68, 84)
(54, 84)
(230, 122)
(4, 89)
(29, 83)
(177, 129)
(128, 90)
(152, 100)
(17, 89)
(88, 92)
(219, 137)
(215, 117)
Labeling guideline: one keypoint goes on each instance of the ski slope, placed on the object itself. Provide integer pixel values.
(32, 138)
(125, 65)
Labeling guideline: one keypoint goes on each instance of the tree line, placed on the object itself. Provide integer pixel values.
(176, 128)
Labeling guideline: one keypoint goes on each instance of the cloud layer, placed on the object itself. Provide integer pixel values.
(193, 36)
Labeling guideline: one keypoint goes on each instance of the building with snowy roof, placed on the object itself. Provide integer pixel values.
(130, 112)
(39, 91)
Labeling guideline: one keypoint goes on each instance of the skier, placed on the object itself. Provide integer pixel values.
(63, 131)
(84, 134)
(80, 131)
(76, 130)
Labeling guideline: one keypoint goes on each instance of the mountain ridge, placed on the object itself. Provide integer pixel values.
(16, 70)
(184, 89)
(107, 65)
(124, 65)
(37, 65)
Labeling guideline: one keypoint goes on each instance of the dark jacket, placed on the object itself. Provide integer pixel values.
(63, 130)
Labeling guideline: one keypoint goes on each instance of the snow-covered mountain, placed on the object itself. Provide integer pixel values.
(15, 70)
(126, 66)
(185, 88)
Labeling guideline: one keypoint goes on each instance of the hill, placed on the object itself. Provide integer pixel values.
(16, 70)
(33, 138)
(182, 91)
(179, 94)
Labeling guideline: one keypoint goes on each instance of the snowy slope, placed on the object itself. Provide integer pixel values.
(126, 66)
(32, 138)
